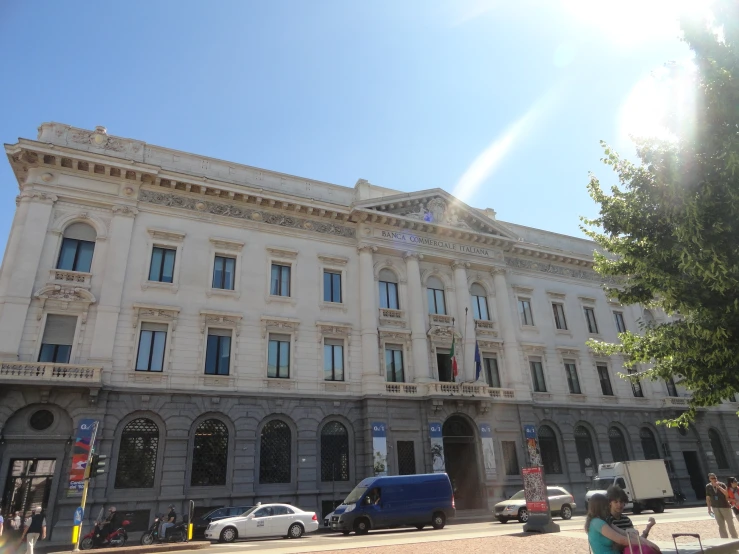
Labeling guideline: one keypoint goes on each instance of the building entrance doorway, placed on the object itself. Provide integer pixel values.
(697, 479)
(28, 485)
(460, 459)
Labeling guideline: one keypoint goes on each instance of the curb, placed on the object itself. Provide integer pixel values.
(139, 549)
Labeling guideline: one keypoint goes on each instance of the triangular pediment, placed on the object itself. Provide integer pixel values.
(435, 207)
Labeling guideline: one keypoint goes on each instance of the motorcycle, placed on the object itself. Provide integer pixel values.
(178, 533)
(117, 537)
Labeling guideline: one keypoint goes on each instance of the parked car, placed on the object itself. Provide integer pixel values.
(327, 520)
(396, 501)
(561, 503)
(200, 524)
(264, 520)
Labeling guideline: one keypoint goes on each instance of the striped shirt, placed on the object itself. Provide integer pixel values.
(624, 522)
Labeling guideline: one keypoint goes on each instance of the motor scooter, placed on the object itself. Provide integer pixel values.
(117, 537)
(178, 533)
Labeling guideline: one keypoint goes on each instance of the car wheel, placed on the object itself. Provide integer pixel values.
(502, 519)
(658, 507)
(361, 526)
(637, 508)
(566, 512)
(438, 520)
(420, 526)
(295, 531)
(523, 515)
(228, 534)
(86, 543)
(147, 539)
(345, 533)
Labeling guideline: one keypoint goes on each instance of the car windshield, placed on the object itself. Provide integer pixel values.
(355, 495)
(250, 510)
(601, 484)
(518, 496)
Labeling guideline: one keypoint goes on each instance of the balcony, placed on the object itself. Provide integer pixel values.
(401, 389)
(485, 327)
(51, 374)
(75, 278)
(439, 319)
(394, 318)
(501, 394)
(456, 389)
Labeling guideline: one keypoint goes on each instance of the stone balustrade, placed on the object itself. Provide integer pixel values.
(401, 388)
(77, 279)
(48, 374)
(439, 319)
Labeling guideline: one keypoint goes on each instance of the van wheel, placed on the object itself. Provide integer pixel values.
(361, 526)
(637, 509)
(420, 526)
(438, 520)
(566, 512)
(523, 515)
(345, 533)
(658, 507)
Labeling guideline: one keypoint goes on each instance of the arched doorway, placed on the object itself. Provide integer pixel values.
(460, 458)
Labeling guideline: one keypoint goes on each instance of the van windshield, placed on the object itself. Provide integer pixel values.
(601, 483)
(355, 495)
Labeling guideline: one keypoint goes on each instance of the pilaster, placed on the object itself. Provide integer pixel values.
(419, 342)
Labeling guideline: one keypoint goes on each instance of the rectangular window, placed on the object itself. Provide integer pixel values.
(56, 344)
(636, 385)
(406, 458)
(394, 364)
(76, 255)
(331, 286)
(162, 264)
(389, 295)
(510, 458)
(590, 317)
(480, 307)
(280, 280)
(572, 380)
(492, 375)
(333, 360)
(218, 352)
(278, 360)
(524, 310)
(620, 325)
(605, 380)
(152, 341)
(436, 301)
(671, 387)
(224, 270)
(444, 364)
(559, 316)
(537, 376)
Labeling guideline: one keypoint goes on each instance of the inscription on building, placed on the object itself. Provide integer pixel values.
(400, 237)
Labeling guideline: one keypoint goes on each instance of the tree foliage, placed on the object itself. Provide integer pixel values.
(670, 229)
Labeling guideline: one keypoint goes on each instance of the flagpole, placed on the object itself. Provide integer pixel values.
(466, 309)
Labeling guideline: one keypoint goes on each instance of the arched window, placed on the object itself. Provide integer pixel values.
(718, 449)
(389, 290)
(210, 454)
(585, 450)
(618, 445)
(549, 450)
(435, 291)
(334, 452)
(78, 245)
(275, 453)
(649, 444)
(137, 455)
(479, 302)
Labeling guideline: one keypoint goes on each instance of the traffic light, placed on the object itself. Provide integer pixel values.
(97, 465)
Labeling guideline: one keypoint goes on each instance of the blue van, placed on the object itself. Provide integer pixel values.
(397, 501)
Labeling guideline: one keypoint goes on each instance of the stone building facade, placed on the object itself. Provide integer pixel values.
(243, 335)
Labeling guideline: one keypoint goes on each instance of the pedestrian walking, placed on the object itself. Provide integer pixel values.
(718, 505)
(732, 495)
(35, 530)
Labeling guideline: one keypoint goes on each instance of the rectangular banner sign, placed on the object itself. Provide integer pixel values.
(535, 490)
(532, 446)
(488, 450)
(80, 454)
(437, 447)
(379, 447)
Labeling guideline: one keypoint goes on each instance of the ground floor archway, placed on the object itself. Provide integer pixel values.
(461, 461)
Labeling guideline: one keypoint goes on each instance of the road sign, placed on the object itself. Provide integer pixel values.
(78, 515)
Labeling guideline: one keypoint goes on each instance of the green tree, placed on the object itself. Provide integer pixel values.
(670, 229)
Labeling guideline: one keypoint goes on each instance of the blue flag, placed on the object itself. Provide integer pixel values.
(478, 362)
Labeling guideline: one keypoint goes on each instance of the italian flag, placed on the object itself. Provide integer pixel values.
(453, 355)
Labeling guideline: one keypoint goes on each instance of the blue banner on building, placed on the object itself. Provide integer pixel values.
(532, 446)
(80, 454)
(437, 447)
(488, 450)
(379, 447)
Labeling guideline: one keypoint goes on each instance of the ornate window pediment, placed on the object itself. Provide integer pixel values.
(74, 297)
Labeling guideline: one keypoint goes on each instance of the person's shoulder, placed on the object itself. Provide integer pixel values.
(597, 523)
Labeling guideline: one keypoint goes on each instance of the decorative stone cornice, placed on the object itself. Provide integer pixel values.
(156, 312)
(66, 295)
(230, 320)
(325, 328)
(459, 264)
(279, 325)
(498, 271)
(39, 196)
(166, 234)
(412, 255)
(333, 260)
(366, 248)
(571, 273)
(122, 209)
(227, 244)
(285, 253)
(401, 336)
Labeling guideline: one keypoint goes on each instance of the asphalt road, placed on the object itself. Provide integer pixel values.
(321, 541)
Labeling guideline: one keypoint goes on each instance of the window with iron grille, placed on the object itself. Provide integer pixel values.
(620, 325)
(573, 382)
(334, 452)
(537, 376)
(406, 458)
(590, 317)
(718, 449)
(649, 444)
(210, 454)
(331, 286)
(605, 380)
(275, 453)
(559, 316)
(524, 310)
(510, 457)
(584, 447)
(137, 455)
(549, 450)
(618, 445)
(636, 385)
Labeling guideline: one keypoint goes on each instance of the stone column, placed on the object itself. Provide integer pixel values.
(111, 292)
(465, 322)
(368, 314)
(14, 242)
(418, 318)
(506, 327)
(21, 269)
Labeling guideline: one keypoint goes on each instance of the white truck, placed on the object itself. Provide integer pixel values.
(645, 482)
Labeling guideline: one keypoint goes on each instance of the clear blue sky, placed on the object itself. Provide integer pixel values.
(503, 102)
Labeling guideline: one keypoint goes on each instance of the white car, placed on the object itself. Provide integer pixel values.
(264, 520)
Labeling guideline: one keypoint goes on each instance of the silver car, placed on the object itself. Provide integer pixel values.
(561, 503)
